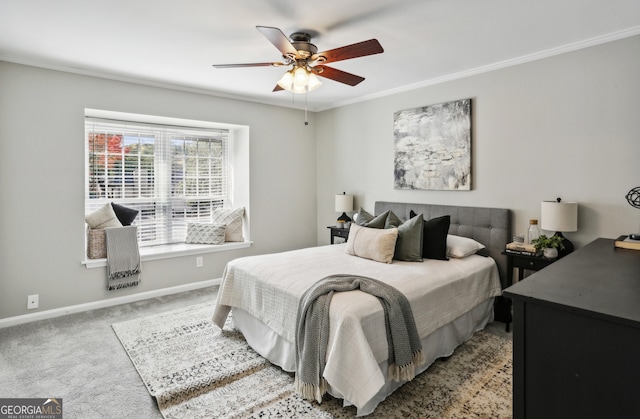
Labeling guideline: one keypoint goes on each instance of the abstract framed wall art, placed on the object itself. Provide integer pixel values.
(432, 147)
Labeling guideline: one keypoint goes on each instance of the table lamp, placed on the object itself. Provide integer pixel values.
(560, 217)
(344, 204)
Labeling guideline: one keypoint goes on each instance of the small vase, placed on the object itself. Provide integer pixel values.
(550, 253)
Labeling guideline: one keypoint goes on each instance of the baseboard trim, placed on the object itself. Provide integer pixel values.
(63, 311)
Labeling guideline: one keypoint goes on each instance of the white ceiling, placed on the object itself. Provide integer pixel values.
(174, 43)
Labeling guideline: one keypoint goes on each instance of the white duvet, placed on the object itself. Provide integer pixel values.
(269, 287)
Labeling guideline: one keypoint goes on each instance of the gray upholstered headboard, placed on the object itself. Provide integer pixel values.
(489, 226)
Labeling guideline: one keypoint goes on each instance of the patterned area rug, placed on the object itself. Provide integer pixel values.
(195, 370)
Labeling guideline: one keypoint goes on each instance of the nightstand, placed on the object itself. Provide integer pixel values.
(522, 262)
(338, 232)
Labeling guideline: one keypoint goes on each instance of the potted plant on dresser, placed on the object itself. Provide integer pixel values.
(548, 245)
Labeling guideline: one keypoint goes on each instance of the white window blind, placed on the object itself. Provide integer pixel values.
(172, 175)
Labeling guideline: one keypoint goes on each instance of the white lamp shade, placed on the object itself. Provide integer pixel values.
(344, 203)
(314, 82)
(559, 216)
(286, 81)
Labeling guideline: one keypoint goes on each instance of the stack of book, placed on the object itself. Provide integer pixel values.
(516, 248)
(626, 242)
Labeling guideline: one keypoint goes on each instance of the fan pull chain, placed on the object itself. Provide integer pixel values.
(306, 120)
(293, 100)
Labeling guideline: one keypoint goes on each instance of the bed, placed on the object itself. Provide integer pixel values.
(450, 300)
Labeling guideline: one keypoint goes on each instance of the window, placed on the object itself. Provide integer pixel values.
(171, 174)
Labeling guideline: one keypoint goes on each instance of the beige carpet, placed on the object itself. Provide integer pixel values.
(195, 370)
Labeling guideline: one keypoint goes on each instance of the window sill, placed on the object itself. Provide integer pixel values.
(174, 250)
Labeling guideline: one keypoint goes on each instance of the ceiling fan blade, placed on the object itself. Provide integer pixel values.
(248, 65)
(279, 40)
(361, 49)
(277, 88)
(338, 75)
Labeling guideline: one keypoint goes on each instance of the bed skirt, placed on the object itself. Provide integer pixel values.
(438, 344)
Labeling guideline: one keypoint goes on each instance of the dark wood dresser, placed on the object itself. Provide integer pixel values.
(576, 336)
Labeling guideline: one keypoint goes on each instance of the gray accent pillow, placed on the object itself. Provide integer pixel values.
(409, 242)
(362, 217)
(392, 220)
(378, 222)
(205, 233)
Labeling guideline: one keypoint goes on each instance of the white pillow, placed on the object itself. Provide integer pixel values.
(372, 243)
(461, 247)
(103, 217)
(233, 220)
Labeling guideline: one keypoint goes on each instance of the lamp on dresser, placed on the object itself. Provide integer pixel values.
(344, 204)
(560, 217)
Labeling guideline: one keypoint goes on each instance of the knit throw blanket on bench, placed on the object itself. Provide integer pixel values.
(123, 257)
(312, 331)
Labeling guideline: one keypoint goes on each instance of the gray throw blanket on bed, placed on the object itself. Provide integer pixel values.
(123, 257)
(312, 331)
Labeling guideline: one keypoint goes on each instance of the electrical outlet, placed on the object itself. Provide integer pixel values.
(33, 301)
(199, 262)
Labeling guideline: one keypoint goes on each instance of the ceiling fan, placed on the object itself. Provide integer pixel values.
(307, 63)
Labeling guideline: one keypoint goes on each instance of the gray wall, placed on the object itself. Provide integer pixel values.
(42, 188)
(564, 126)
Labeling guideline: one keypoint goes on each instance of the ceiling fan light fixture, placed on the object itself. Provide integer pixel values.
(298, 89)
(300, 76)
(314, 82)
(299, 80)
(286, 81)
